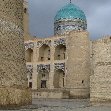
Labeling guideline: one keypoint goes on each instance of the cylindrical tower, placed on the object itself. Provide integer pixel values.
(72, 21)
(13, 80)
(69, 18)
(78, 64)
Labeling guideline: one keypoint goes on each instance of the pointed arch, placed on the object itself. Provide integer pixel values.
(29, 55)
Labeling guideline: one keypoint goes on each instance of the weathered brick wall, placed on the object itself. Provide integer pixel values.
(100, 80)
(13, 81)
(78, 64)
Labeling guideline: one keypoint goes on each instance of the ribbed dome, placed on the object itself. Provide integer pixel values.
(69, 18)
(70, 11)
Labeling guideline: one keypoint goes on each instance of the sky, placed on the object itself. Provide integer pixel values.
(42, 13)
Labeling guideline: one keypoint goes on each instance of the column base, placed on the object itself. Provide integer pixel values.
(15, 97)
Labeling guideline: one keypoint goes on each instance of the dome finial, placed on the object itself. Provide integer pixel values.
(70, 1)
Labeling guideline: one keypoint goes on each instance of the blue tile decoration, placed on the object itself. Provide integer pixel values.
(69, 18)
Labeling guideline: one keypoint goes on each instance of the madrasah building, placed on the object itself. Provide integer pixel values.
(69, 64)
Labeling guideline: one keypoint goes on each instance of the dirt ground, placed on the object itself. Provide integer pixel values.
(64, 105)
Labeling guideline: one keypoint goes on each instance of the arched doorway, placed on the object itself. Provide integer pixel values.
(59, 78)
(29, 55)
(44, 53)
(43, 78)
(60, 52)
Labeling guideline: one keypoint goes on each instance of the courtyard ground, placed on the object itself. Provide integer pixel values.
(64, 105)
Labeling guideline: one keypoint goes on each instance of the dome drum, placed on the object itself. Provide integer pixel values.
(64, 27)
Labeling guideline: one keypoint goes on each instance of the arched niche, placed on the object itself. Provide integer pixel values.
(29, 55)
(60, 52)
(43, 79)
(44, 53)
(59, 79)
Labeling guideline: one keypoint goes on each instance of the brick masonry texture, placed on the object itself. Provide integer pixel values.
(100, 79)
(78, 64)
(87, 64)
(13, 81)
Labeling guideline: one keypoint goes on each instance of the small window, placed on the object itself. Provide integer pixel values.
(82, 81)
(49, 52)
(25, 10)
(42, 58)
(30, 84)
(48, 58)
(59, 57)
(43, 84)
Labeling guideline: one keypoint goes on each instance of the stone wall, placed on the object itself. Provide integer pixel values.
(78, 64)
(50, 93)
(13, 81)
(76, 67)
(100, 80)
(46, 48)
(50, 68)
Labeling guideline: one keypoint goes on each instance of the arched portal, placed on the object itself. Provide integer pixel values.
(60, 52)
(44, 53)
(59, 78)
(29, 55)
(43, 77)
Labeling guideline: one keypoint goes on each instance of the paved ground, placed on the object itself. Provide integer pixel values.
(64, 105)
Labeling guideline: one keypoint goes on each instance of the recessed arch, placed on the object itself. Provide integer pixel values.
(44, 53)
(29, 55)
(43, 78)
(60, 52)
(59, 78)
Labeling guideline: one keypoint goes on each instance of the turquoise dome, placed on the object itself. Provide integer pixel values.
(69, 18)
(70, 11)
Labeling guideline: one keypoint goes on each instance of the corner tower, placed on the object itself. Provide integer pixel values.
(69, 18)
(13, 81)
(78, 64)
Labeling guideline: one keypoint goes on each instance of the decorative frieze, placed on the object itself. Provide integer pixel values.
(46, 42)
(29, 68)
(60, 66)
(43, 67)
(59, 42)
(63, 26)
(29, 45)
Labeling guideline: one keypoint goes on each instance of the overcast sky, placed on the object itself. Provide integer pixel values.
(42, 13)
